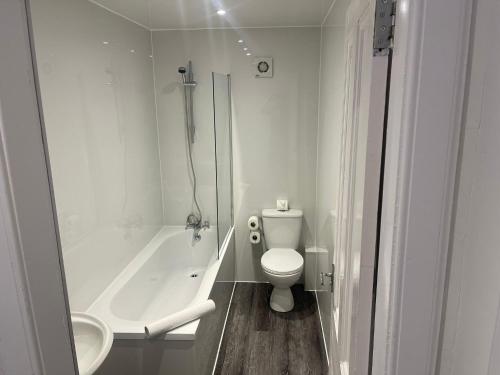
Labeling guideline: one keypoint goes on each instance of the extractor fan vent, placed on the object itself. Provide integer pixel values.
(263, 67)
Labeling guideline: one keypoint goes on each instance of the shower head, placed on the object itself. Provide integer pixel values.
(187, 81)
(182, 71)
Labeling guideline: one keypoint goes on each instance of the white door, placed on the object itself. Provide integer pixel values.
(471, 328)
(358, 201)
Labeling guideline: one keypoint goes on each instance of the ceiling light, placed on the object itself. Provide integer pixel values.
(249, 54)
(105, 42)
(240, 41)
(245, 49)
(221, 12)
(132, 51)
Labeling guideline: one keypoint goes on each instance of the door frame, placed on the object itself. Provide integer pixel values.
(366, 78)
(36, 336)
(423, 129)
(422, 140)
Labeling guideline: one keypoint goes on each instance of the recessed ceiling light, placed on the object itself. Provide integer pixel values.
(240, 41)
(245, 49)
(105, 42)
(132, 51)
(249, 54)
(221, 12)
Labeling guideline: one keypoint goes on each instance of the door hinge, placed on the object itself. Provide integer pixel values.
(383, 35)
(330, 275)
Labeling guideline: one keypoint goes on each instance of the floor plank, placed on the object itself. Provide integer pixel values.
(259, 341)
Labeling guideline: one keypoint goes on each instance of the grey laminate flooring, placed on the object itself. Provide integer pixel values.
(259, 341)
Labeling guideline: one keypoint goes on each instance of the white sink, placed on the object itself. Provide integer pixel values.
(93, 340)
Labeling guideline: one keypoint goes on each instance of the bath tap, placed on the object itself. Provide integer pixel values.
(193, 222)
(196, 230)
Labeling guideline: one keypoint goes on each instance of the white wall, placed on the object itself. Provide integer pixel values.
(172, 50)
(471, 338)
(274, 124)
(96, 79)
(329, 127)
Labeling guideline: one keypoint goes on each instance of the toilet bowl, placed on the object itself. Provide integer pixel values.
(281, 263)
(282, 268)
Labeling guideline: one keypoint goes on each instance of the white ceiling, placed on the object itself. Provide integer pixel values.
(188, 14)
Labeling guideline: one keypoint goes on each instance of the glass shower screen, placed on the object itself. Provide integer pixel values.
(223, 154)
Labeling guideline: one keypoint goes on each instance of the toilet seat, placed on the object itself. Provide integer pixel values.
(280, 261)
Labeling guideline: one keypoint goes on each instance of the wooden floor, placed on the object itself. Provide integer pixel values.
(260, 341)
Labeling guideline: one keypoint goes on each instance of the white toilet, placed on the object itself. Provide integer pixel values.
(281, 263)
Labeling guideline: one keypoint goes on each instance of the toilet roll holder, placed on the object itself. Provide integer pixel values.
(255, 232)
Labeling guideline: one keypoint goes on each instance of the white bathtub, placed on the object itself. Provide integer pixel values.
(169, 274)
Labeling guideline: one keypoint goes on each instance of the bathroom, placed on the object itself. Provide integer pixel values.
(167, 133)
(227, 187)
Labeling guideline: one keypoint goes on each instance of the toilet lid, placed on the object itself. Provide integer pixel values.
(282, 261)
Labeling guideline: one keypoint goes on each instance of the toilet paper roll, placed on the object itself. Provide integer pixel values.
(254, 237)
(253, 223)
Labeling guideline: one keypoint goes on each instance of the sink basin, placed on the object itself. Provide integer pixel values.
(93, 340)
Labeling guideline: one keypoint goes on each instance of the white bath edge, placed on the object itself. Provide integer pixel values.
(224, 246)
